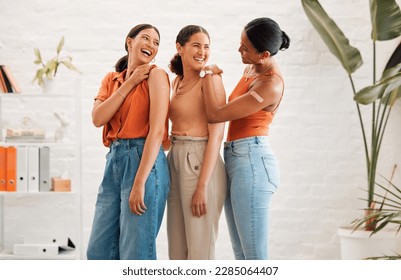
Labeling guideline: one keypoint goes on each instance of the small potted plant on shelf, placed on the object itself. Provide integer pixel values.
(48, 70)
(380, 95)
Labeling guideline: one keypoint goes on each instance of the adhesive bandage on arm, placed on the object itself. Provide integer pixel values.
(256, 96)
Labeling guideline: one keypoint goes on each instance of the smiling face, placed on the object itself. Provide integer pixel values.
(249, 54)
(143, 48)
(195, 52)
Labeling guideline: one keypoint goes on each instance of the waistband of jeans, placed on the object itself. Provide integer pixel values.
(187, 139)
(248, 140)
(127, 143)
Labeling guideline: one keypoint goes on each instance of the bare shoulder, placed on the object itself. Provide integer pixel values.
(157, 74)
(273, 81)
(155, 71)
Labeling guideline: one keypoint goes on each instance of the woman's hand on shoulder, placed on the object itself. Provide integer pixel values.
(139, 74)
(214, 68)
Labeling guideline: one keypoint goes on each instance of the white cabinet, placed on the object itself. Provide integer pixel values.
(40, 215)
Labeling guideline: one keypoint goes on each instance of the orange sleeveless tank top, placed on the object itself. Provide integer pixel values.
(256, 124)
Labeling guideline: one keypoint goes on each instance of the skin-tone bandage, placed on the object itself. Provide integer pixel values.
(256, 96)
(161, 87)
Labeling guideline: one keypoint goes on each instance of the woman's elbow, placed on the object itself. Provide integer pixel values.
(212, 118)
(97, 122)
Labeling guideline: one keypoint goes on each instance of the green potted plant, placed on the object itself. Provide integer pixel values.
(48, 70)
(381, 94)
(387, 214)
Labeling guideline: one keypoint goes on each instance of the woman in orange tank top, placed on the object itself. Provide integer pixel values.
(252, 168)
(132, 106)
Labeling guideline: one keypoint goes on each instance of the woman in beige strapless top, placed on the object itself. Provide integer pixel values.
(198, 178)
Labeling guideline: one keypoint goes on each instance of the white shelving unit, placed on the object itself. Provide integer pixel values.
(44, 213)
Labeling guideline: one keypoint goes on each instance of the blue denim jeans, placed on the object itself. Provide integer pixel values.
(252, 178)
(117, 233)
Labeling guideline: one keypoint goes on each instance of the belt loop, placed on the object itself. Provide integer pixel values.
(232, 144)
(257, 140)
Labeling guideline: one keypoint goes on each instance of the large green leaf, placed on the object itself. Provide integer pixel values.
(331, 34)
(392, 67)
(371, 93)
(386, 19)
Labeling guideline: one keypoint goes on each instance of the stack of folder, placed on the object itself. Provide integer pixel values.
(25, 169)
(44, 246)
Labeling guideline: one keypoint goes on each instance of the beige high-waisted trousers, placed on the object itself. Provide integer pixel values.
(190, 237)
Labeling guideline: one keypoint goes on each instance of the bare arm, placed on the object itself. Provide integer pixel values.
(159, 94)
(264, 93)
(216, 133)
(103, 111)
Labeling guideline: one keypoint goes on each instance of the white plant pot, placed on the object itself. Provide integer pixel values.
(50, 86)
(359, 244)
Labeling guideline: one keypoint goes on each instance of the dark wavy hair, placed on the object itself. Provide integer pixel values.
(121, 64)
(182, 38)
(265, 35)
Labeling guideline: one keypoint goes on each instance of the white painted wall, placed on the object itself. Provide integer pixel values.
(316, 133)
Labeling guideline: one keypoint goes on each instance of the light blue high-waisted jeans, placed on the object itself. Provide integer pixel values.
(252, 178)
(117, 233)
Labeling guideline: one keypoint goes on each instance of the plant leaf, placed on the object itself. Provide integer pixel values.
(370, 94)
(386, 19)
(60, 45)
(331, 34)
(37, 54)
(70, 66)
(392, 67)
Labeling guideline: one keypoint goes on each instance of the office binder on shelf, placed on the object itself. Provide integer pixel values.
(3, 87)
(44, 245)
(7, 83)
(22, 169)
(3, 163)
(11, 169)
(33, 169)
(44, 169)
(36, 249)
(64, 242)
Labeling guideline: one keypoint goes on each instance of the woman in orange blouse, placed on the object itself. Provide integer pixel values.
(132, 106)
(252, 168)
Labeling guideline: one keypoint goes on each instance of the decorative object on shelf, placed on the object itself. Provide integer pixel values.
(62, 183)
(28, 132)
(25, 134)
(381, 94)
(47, 72)
(62, 131)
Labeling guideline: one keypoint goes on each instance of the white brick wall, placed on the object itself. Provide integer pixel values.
(316, 134)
